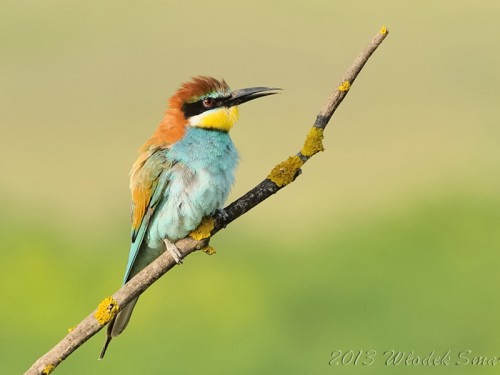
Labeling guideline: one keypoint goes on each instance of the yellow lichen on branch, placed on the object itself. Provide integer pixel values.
(209, 250)
(383, 30)
(48, 369)
(344, 86)
(106, 310)
(204, 229)
(313, 143)
(285, 172)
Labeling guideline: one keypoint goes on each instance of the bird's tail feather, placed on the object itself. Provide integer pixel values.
(118, 324)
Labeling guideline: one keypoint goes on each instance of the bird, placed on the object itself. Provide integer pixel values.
(183, 173)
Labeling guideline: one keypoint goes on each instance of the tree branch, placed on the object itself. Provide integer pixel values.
(281, 175)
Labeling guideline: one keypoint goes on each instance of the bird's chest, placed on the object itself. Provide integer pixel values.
(199, 183)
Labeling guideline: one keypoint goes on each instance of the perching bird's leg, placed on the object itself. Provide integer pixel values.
(174, 251)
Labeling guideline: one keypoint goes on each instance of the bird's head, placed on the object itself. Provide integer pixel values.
(209, 103)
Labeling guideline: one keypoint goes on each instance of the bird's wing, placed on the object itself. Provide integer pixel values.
(149, 178)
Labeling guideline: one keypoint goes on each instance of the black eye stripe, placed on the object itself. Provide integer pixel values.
(195, 108)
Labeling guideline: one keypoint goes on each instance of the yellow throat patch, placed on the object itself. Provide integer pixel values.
(222, 118)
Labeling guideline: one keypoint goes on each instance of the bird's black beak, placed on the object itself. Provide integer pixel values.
(245, 95)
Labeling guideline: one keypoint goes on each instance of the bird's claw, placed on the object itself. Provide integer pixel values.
(174, 252)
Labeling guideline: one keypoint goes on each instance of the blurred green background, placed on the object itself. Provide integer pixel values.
(388, 240)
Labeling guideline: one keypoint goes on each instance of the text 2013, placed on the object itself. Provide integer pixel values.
(352, 357)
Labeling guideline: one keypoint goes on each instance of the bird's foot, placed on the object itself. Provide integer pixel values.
(174, 252)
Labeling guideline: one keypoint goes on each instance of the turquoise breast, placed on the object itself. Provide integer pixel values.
(199, 181)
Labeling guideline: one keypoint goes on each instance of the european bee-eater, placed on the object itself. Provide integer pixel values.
(184, 173)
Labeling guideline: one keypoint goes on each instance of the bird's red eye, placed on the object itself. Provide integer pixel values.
(208, 102)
